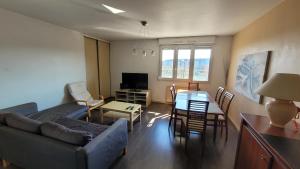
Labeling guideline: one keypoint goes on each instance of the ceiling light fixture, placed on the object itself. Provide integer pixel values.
(113, 10)
(144, 32)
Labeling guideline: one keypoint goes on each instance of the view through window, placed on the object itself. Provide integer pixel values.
(167, 63)
(201, 64)
(183, 63)
(188, 63)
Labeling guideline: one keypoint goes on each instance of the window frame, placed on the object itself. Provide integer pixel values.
(192, 59)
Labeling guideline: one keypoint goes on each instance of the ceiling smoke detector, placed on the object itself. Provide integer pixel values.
(144, 23)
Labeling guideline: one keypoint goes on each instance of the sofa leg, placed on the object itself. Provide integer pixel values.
(5, 163)
(124, 151)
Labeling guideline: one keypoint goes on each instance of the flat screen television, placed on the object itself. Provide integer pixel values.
(134, 81)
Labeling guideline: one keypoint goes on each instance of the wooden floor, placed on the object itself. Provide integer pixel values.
(152, 146)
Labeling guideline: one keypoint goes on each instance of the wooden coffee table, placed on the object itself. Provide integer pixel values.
(118, 109)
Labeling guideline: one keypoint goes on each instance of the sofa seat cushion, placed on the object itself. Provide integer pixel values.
(94, 129)
(62, 133)
(70, 110)
(21, 122)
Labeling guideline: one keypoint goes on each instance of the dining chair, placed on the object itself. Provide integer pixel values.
(223, 119)
(173, 95)
(196, 120)
(218, 96)
(193, 86)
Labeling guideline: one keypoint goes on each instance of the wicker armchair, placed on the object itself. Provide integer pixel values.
(81, 95)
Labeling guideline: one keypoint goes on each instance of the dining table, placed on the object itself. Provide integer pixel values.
(182, 99)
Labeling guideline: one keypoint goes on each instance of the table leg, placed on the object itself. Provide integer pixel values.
(5, 163)
(101, 115)
(215, 127)
(175, 120)
(131, 121)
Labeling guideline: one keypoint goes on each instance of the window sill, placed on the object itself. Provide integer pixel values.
(181, 80)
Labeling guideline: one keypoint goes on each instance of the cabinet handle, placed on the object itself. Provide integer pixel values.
(262, 157)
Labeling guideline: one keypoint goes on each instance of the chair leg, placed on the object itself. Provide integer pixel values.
(124, 151)
(226, 127)
(221, 124)
(171, 118)
(203, 144)
(174, 129)
(181, 130)
(186, 140)
(5, 163)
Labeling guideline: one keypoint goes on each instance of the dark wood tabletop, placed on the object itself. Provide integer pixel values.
(183, 97)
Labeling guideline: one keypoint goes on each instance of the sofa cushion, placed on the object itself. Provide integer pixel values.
(62, 133)
(94, 129)
(21, 122)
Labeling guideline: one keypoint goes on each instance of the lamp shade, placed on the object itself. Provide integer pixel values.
(282, 86)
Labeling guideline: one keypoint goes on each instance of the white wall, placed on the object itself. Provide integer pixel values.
(37, 59)
(122, 60)
(277, 31)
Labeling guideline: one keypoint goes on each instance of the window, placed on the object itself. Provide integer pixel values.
(185, 63)
(167, 63)
(201, 64)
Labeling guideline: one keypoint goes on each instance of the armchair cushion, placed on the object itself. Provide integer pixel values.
(62, 133)
(95, 103)
(22, 123)
(78, 91)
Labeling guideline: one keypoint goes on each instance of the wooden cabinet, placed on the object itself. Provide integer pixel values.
(97, 67)
(251, 153)
(262, 146)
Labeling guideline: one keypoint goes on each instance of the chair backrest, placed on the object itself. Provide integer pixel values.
(218, 96)
(78, 91)
(226, 102)
(193, 86)
(174, 88)
(197, 115)
(173, 95)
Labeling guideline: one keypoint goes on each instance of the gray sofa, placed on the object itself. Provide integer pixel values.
(35, 151)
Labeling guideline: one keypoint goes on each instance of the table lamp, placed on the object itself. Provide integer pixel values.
(284, 88)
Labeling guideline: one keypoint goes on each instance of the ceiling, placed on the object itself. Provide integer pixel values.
(166, 18)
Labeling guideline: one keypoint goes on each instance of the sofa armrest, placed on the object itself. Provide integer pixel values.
(24, 109)
(106, 147)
